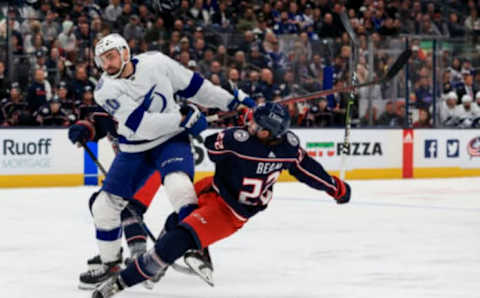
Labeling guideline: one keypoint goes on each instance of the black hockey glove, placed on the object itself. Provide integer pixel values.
(342, 195)
(81, 132)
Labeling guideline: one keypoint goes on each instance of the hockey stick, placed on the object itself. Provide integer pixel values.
(143, 225)
(392, 72)
(351, 95)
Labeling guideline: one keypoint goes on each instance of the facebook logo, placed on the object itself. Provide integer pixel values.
(431, 148)
(453, 148)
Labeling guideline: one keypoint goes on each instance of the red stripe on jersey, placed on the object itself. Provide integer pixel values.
(140, 270)
(136, 237)
(316, 177)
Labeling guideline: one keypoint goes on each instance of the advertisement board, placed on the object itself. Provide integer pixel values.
(443, 153)
(45, 157)
(31, 157)
(370, 151)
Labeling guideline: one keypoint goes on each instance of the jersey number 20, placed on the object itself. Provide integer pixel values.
(260, 194)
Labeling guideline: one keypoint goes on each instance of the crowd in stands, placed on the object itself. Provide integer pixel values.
(272, 50)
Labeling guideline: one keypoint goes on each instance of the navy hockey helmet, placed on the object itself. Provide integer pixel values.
(272, 117)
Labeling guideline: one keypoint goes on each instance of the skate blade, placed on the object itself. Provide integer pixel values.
(148, 284)
(204, 272)
(87, 287)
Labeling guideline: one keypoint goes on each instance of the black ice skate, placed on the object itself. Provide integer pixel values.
(201, 263)
(90, 279)
(96, 262)
(109, 288)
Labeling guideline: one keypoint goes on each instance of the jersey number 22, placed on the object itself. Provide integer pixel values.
(260, 193)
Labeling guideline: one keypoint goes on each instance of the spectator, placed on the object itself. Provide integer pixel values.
(133, 30)
(51, 114)
(454, 28)
(365, 120)
(40, 62)
(389, 117)
(329, 29)
(427, 27)
(423, 92)
(472, 22)
(222, 17)
(319, 114)
(78, 85)
(66, 101)
(233, 79)
(50, 28)
(467, 86)
(16, 109)
(251, 85)
(88, 105)
(67, 38)
(156, 33)
(205, 63)
(267, 85)
(146, 18)
(39, 92)
(423, 119)
(288, 86)
(240, 62)
(216, 68)
(113, 11)
(257, 59)
(199, 49)
(199, 14)
(285, 25)
(184, 58)
(247, 21)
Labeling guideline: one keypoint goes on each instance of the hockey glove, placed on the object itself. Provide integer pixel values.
(239, 97)
(81, 132)
(194, 121)
(342, 195)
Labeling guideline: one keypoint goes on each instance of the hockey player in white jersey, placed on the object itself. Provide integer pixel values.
(153, 134)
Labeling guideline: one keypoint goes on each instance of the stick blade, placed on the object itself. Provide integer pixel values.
(399, 64)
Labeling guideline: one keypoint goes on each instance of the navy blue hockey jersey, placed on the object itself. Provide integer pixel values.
(246, 169)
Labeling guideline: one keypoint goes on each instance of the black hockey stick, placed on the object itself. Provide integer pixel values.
(351, 95)
(143, 225)
(392, 72)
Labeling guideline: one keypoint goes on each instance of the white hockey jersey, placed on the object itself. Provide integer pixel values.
(143, 104)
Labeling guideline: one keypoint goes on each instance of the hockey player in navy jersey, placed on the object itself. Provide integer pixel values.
(153, 134)
(248, 161)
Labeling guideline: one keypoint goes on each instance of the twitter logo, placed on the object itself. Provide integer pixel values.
(453, 148)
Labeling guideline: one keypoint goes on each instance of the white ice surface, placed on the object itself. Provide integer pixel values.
(397, 239)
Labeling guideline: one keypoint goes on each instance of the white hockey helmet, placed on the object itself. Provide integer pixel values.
(107, 43)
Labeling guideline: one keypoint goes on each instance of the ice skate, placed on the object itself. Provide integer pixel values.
(200, 262)
(93, 277)
(109, 288)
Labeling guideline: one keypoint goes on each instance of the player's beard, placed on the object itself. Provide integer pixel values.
(112, 70)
